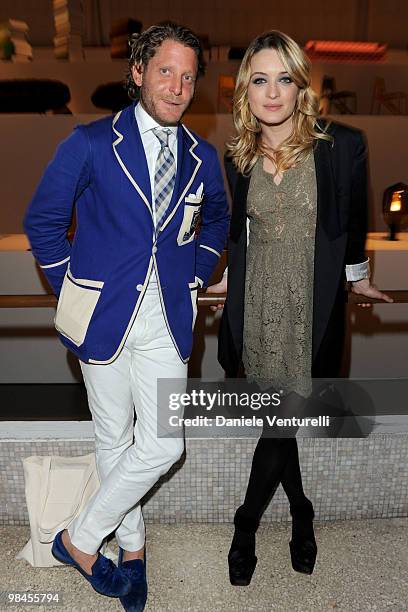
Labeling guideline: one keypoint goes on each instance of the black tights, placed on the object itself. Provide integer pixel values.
(276, 460)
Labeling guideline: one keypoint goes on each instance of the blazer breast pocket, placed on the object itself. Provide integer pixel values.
(76, 305)
(191, 217)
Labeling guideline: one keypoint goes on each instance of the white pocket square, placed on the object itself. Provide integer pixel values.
(198, 196)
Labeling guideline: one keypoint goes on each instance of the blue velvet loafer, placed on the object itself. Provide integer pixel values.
(106, 578)
(135, 600)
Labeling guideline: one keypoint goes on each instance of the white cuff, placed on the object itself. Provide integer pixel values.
(199, 281)
(356, 272)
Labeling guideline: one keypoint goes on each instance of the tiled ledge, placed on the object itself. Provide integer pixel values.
(345, 477)
(83, 430)
(46, 430)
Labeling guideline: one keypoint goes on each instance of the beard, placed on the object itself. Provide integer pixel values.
(150, 107)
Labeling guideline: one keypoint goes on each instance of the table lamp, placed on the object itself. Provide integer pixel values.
(395, 208)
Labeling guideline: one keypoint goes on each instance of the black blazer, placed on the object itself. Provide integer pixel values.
(341, 176)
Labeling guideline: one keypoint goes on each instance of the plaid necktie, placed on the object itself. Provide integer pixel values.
(164, 176)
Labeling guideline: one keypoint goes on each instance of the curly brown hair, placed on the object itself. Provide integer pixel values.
(144, 46)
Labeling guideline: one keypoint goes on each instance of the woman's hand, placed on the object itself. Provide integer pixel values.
(364, 287)
(220, 287)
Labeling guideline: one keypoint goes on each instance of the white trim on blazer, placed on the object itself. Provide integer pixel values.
(122, 165)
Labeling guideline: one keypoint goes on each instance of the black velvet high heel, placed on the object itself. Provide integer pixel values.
(241, 563)
(303, 547)
(303, 556)
(241, 557)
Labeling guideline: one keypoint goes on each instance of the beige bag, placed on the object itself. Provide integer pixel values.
(57, 489)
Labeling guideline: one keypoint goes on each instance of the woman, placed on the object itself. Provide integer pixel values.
(300, 186)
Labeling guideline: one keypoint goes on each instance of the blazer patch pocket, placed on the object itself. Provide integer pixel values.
(76, 305)
(190, 220)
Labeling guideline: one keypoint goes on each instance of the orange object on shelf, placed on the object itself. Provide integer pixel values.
(344, 50)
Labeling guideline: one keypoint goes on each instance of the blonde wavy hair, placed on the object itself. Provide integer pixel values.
(246, 146)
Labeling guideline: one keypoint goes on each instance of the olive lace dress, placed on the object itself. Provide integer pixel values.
(279, 277)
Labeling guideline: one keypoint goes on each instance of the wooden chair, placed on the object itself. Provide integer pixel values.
(226, 87)
(340, 100)
(394, 102)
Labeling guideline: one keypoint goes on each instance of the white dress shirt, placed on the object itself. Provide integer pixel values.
(151, 145)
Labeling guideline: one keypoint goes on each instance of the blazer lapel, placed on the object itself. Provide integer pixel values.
(330, 244)
(239, 206)
(188, 163)
(128, 149)
(327, 209)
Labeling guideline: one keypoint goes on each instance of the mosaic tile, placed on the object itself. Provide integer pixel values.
(345, 479)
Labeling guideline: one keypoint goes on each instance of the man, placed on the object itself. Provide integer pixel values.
(128, 284)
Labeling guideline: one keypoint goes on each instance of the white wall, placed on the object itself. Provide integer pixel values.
(29, 141)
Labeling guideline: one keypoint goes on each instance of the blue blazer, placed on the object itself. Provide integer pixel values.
(100, 278)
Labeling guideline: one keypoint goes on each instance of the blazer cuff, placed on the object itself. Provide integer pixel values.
(356, 272)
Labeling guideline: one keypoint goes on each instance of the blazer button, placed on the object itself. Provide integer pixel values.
(154, 249)
(139, 287)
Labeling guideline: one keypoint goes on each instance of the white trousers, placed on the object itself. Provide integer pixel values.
(129, 459)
